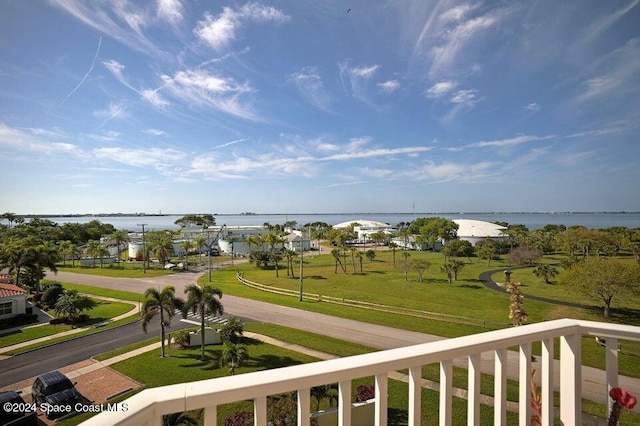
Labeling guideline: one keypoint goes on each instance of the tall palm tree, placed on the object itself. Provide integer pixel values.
(119, 238)
(199, 242)
(65, 249)
(545, 271)
(92, 249)
(232, 356)
(187, 246)
(102, 253)
(203, 301)
(162, 302)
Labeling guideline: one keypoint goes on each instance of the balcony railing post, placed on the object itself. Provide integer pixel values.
(415, 396)
(500, 388)
(473, 397)
(571, 379)
(304, 407)
(525, 384)
(260, 411)
(547, 382)
(612, 368)
(381, 399)
(211, 415)
(446, 389)
(344, 403)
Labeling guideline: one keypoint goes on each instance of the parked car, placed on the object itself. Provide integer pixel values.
(15, 411)
(54, 394)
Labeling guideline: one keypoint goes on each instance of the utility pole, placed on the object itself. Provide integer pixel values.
(301, 264)
(144, 250)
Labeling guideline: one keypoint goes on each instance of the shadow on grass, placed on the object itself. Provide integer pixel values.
(315, 277)
(267, 362)
(471, 286)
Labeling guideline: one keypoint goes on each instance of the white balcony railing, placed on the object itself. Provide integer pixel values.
(148, 406)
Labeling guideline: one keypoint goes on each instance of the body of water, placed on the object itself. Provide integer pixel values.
(530, 220)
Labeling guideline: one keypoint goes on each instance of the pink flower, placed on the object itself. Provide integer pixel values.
(624, 398)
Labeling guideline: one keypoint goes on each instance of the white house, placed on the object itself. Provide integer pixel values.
(365, 228)
(13, 300)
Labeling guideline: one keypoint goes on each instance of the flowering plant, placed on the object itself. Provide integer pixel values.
(621, 399)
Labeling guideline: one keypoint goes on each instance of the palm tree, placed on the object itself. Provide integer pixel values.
(336, 255)
(10, 217)
(65, 249)
(232, 330)
(102, 252)
(289, 255)
(161, 245)
(232, 356)
(39, 257)
(71, 304)
(163, 302)
(456, 266)
(447, 267)
(199, 242)
(179, 419)
(119, 238)
(92, 249)
(421, 266)
(186, 246)
(204, 301)
(545, 271)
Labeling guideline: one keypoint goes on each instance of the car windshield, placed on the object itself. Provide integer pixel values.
(58, 387)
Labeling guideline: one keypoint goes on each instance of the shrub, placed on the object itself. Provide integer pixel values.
(241, 418)
(181, 338)
(365, 393)
(524, 256)
(52, 294)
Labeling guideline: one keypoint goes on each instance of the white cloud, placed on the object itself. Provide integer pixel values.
(440, 89)
(389, 86)
(464, 97)
(37, 141)
(310, 86)
(355, 79)
(154, 98)
(203, 89)
(533, 107)
(509, 142)
(155, 132)
(458, 172)
(114, 110)
(170, 11)
(151, 157)
(618, 74)
(218, 31)
(456, 14)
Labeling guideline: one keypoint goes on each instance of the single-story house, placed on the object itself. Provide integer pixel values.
(13, 300)
(478, 230)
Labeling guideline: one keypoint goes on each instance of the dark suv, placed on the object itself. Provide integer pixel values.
(15, 412)
(54, 394)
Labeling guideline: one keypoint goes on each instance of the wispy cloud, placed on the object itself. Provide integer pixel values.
(93, 62)
(517, 140)
(603, 23)
(389, 86)
(447, 171)
(464, 97)
(224, 145)
(201, 88)
(355, 79)
(149, 157)
(440, 89)
(170, 11)
(533, 107)
(114, 110)
(120, 20)
(37, 141)
(618, 74)
(310, 86)
(218, 31)
(155, 132)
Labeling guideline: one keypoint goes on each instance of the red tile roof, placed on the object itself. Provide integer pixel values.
(9, 290)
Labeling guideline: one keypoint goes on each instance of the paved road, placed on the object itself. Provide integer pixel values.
(376, 336)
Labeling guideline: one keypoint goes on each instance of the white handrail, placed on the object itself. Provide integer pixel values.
(150, 405)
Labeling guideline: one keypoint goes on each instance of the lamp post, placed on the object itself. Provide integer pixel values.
(144, 250)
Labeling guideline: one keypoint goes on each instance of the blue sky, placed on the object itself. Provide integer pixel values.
(292, 106)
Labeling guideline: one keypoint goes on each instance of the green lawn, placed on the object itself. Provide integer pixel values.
(122, 270)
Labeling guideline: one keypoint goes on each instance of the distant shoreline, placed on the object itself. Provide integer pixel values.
(44, 216)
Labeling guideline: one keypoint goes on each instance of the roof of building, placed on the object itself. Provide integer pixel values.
(478, 228)
(363, 222)
(10, 290)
